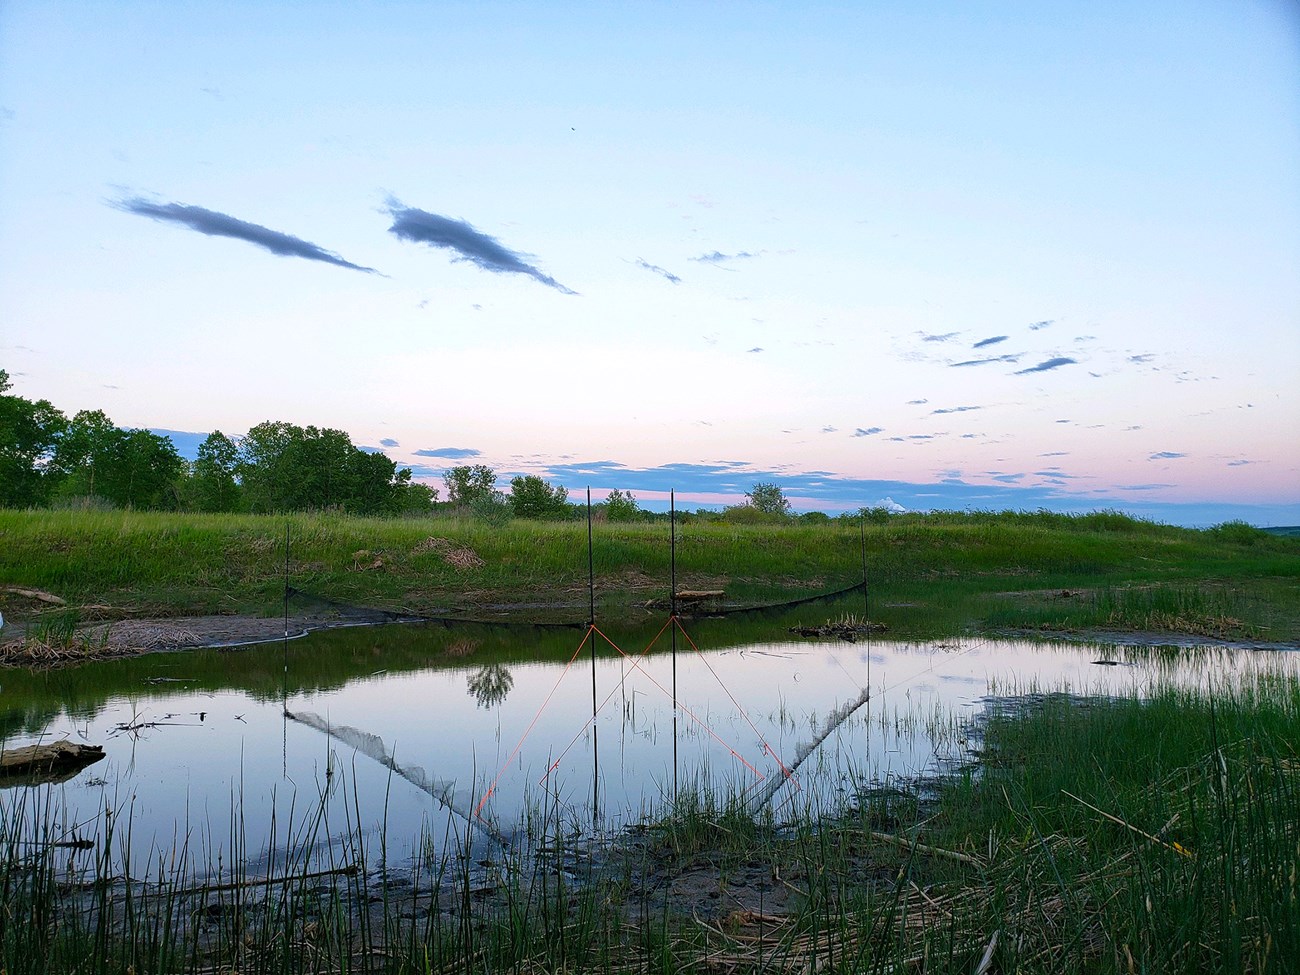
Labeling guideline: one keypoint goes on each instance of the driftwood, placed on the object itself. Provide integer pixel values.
(41, 764)
(37, 594)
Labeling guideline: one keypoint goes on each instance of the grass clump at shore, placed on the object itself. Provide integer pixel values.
(1155, 835)
(928, 575)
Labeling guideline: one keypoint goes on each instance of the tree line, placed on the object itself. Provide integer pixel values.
(49, 459)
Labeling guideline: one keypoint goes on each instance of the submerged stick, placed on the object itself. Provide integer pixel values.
(372, 746)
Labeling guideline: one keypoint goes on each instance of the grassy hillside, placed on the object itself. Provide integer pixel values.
(928, 574)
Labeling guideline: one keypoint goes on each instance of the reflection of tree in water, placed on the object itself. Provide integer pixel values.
(490, 685)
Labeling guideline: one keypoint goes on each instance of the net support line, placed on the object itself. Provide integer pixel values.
(635, 662)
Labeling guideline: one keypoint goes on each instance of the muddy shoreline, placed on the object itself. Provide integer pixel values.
(125, 638)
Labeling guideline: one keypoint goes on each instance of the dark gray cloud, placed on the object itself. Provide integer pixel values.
(717, 257)
(1166, 455)
(982, 343)
(1037, 326)
(868, 432)
(942, 337)
(481, 250)
(452, 453)
(955, 409)
(389, 442)
(1010, 357)
(656, 269)
(214, 224)
(1048, 364)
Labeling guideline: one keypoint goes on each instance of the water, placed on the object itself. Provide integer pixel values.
(470, 735)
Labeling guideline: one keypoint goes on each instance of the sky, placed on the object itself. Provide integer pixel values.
(947, 255)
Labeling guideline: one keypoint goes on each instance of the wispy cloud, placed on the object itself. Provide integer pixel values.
(656, 269)
(868, 432)
(917, 402)
(717, 257)
(955, 409)
(1166, 455)
(1145, 357)
(1010, 357)
(994, 340)
(938, 337)
(829, 429)
(1239, 463)
(1038, 326)
(1048, 364)
(469, 244)
(214, 224)
(389, 442)
(451, 453)
(757, 348)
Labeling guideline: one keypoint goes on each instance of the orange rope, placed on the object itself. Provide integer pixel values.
(554, 765)
(685, 710)
(492, 788)
(705, 660)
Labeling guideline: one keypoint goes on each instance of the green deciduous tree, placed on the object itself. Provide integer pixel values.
(284, 467)
(28, 432)
(622, 506)
(531, 497)
(94, 458)
(468, 484)
(769, 499)
(213, 485)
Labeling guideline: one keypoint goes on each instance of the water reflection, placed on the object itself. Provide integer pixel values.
(418, 729)
(489, 685)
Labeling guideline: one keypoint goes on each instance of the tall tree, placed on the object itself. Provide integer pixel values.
(531, 497)
(467, 485)
(213, 485)
(28, 432)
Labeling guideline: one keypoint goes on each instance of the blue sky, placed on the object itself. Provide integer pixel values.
(977, 254)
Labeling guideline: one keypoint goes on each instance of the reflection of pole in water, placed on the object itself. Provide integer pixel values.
(591, 626)
(672, 612)
(284, 680)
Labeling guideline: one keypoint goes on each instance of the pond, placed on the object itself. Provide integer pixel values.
(414, 740)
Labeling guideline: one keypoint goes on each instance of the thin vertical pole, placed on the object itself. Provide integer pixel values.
(672, 526)
(284, 680)
(591, 625)
(866, 597)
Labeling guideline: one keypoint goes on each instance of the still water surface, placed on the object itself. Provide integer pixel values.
(498, 721)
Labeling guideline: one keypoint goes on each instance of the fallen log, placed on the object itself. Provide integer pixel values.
(40, 764)
(38, 594)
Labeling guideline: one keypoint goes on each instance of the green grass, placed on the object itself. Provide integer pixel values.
(930, 575)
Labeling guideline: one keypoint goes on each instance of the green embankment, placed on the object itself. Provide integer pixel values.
(928, 574)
